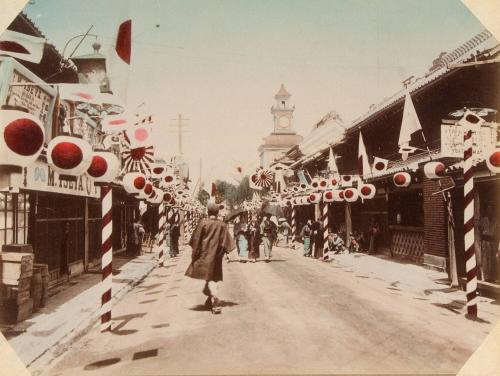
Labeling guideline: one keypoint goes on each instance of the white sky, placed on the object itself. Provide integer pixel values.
(219, 63)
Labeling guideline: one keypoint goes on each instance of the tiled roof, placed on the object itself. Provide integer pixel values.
(480, 42)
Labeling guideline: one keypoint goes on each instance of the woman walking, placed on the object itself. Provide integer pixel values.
(242, 236)
(254, 240)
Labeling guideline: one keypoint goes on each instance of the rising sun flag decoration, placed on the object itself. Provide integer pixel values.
(262, 178)
(137, 159)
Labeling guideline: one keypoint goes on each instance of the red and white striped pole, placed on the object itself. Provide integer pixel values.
(161, 233)
(324, 218)
(107, 256)
(470, 251)
(294, 226)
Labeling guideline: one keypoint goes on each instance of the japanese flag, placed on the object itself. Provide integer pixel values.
(22, 46)
(88, 93)
(379, 165)
(119, 59)
(139, 136)
(116, 123)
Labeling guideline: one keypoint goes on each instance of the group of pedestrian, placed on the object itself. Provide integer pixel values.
(249, 237)
(312, 235)
(136, 234)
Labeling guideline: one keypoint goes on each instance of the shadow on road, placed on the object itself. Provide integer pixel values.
(203, 307)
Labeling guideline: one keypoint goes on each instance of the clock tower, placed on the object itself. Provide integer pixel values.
(283, 136)
(283, 112)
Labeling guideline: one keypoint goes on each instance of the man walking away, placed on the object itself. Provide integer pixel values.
(210, 241)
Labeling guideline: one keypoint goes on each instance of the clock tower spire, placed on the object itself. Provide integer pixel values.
(283, 136)
(282, 112)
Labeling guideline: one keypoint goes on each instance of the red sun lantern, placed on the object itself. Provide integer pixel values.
(351, 194)
(221, 206)
(401, 179)
(156, 197)
(323, 184)
(315, 183)
(334, 182)
(338, 195)
(134, 182)
(314, 198)
(434, 170)
(493, 161)
(168, 179)
(158, 170)
(328, 196)
(104, 166)
(167, 197)
(69, 155)
(22, 138)
(367, 191)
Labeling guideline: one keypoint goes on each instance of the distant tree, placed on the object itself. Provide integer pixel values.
(233, 194)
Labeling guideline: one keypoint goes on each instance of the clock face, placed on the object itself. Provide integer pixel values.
(284, 122)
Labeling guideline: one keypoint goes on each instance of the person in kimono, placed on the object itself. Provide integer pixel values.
(318, 240)
(266, 232)
(242, 242)
(254, 240)
(210, 241)
(335, 245)
(306, 233)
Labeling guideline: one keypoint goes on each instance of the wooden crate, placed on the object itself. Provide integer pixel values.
(12, 313)
(16, 265)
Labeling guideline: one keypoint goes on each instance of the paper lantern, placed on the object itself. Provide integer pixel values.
(434, 170)
(104, 166)
(338, 195)
(315, 183)
(367, 191)
(296, 189)
(334, 182)
(493, 161)
(401, 179)
(157, 196)
(351, 194)
(303, 186)
(158, 170)
(167, 197)
(328, 196)
(23, 138)
(168, 179)
(69, 155)
(134, 182)
(323, 184)
(314, 198)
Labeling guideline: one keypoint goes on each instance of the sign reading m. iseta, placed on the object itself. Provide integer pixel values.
(452, 140)
(40, 177)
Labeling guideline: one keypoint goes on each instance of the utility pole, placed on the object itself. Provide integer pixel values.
(180, 125)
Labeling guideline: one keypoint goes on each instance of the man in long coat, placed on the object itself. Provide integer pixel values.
(210, 241)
